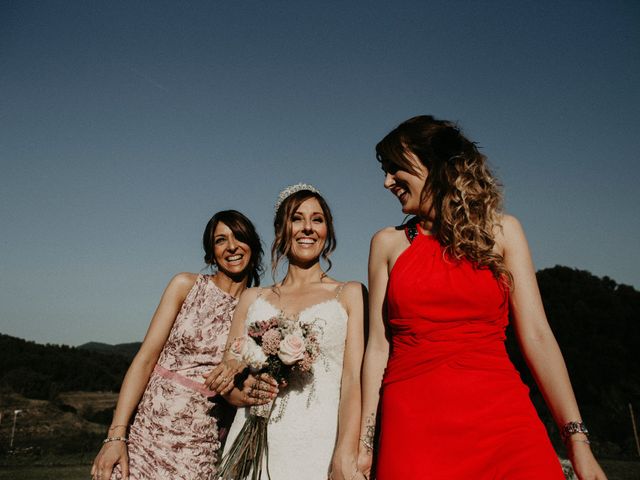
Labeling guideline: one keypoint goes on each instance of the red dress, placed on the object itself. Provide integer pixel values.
(453, 405)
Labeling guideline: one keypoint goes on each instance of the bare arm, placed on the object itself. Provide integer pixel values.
(256, 390)
(137, 377)
(221, 377)
(539, 346)
(377, 352)
(343, 464)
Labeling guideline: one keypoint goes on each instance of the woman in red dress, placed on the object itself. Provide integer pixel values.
(452, 406)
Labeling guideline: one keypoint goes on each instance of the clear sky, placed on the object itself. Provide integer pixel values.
(125, 125)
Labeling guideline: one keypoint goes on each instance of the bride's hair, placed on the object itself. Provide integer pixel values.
(462, 195)
(281, 246)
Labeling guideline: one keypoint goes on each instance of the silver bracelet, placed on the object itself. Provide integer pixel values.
(571, 428)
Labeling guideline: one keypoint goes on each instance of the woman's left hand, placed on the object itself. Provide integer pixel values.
(584, 463)
(258, 390)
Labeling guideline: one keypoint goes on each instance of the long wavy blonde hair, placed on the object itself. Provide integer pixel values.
(462, 196)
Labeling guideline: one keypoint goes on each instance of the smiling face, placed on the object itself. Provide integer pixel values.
(231, 255)
(308, 229)
(406, 185)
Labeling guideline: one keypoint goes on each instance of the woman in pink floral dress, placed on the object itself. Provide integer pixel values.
(175, 432)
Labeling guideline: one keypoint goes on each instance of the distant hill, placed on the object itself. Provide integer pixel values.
(42, 371)
(127, 350)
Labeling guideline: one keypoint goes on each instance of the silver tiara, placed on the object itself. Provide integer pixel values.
(290, 190)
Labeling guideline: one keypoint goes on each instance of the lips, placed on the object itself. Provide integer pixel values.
(305, 241)
(234, 258)
(401, 193)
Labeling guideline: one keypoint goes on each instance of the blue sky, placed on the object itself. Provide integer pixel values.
(125, 125)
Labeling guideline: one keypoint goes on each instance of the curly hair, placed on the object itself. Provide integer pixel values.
(461, 195)
(281, 246)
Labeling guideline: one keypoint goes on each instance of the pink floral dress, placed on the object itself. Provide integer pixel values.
(175, 431)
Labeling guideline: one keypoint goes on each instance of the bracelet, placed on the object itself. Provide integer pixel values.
(572, 428)
(366, 443)
(116, 439)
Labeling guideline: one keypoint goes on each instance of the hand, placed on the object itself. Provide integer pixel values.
(364, 461)
(111, 454)
(344, 468)
(220, 379)
(255, 391)
(584, 463)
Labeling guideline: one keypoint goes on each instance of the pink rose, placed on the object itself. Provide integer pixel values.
(291, 349)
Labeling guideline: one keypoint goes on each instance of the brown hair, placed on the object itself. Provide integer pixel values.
(466, 198)
(282, 226)
(245, 232)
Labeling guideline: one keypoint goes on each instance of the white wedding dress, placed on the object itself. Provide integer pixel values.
(304, 422)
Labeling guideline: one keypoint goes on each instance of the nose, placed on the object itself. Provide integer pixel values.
(389, 180)
(232, 245)
(308, 226)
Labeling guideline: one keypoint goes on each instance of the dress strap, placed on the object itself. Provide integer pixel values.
(339, 289)
(411, 229)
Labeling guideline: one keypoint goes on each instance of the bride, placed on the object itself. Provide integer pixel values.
(314, 426)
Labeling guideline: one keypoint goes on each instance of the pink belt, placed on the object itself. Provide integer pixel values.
(184, 381)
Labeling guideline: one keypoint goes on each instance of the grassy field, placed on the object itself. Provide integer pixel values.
(66, 472)
(615, 469)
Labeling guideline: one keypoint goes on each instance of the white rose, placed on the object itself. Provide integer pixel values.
(253, 355)
(291, 349)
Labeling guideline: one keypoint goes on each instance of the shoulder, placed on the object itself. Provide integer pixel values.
(509, 233)
(249, 295)
(352, 295)
(388, 235)
(510, 227)
(352, 288)
(386, 246)
(182, 282)
(387, 240)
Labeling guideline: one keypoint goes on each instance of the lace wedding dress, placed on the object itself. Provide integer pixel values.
(304, 422)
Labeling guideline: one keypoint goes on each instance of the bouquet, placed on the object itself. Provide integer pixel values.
(281, 347)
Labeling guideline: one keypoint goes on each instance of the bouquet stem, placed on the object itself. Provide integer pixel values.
(250, 447)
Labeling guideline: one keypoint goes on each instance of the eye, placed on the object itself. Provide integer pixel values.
(219, 240)
(296, 217)
(318, 219)
(390, 167)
